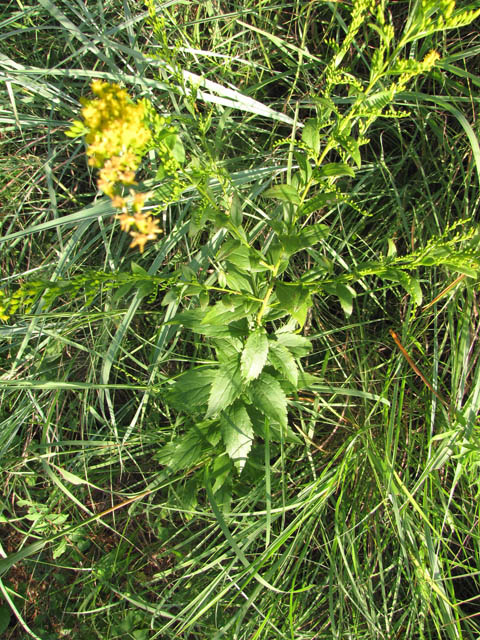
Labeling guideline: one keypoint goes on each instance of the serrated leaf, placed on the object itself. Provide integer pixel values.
(268, 396)
(254, 355)
(298, 345)
(285, 247)
(221, 469)
(283, 192)
(291, 294)
(243, 257)
(231, 324)
(186, 450)
(222, 487)
(188, 493)
(392, 248)
(192, 388)
(283, 361)
(221, 220)
(238, 280)
(203, 299)
(57, 518)
(188, 319)
(295, 298)
(145, 289)
(138, 270)
(278, 225)
(313, 234)
(380, 99)
(227, 349)
(414, 289)
(59, 549)
(234, 251)
(408, 282)
(275, 432)
(258, 263)
(307, 237)
(277, 252)
(237, 433)
(222, 314)
(300, 313)
(226, 388)
(304, 165)
(123, 291)
(183, 453)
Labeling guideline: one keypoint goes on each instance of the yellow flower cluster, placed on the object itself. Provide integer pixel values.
(116, 125)
(409, 69)
(430, 60)
(117, 139)
(146, 226)
(119, 169)
(4, 310)
(24, 296)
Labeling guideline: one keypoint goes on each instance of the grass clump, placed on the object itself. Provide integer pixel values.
(263, 424)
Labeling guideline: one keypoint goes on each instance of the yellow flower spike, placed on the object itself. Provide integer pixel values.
(430, 59)
(97, 86)
(107, 187)
(139, 198)
(119, 203)
(116, 125)
(126, 221)
(148, 229)
(4, 314)
(117, 138)
(140, 239)
(146, 224)
(118, 169)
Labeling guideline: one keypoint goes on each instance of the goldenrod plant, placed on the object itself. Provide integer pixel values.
(240, 379)
(253, 314)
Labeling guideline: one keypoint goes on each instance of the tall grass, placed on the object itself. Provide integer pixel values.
(367, 529)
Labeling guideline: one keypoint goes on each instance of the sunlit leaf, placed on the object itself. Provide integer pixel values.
(283, 361)
(254, 355)
(268, 396)
(237, 433)
(283, 192)
(226, 387)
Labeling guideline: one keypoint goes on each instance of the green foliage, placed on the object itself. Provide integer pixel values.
(248, 291)
(232, 397)
(219, 438)
(237, 433)
(254, 355)
(87, 284)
